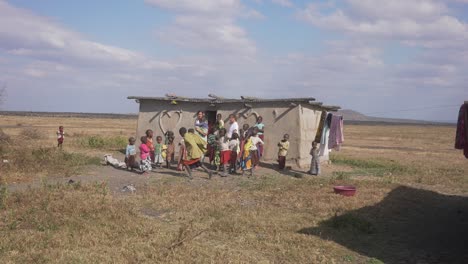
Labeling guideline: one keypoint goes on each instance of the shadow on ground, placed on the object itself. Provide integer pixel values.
(408, 226)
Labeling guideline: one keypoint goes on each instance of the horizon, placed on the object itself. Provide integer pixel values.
(392, 59)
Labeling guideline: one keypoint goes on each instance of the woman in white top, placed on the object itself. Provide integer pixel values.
(234, 128)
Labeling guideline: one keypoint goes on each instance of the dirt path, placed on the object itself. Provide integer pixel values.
(116, 179)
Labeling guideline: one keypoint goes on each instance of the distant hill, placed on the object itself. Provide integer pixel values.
(354, 117)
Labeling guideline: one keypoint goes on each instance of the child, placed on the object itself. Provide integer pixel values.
(60, 137)
(213, 142)
(315, 162)
(130, 154)
(283, 146)
(158, 149)
(246, 155)
(256, 141)
(145, 165)
(170, 151)
(243, 135)
(223, 143)
(261, 131)
(182, 155)
(219, 122)
(234, 147)
(245, 129)
(149, 138)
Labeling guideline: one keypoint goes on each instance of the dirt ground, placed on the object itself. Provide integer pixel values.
(411, 204)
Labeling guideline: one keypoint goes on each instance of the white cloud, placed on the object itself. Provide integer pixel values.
(208, 25)
(41, 38)
(419, 22)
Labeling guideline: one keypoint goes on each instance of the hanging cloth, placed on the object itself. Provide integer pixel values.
(461, 138)
(318, 134)
(336, 137)
(324, 151)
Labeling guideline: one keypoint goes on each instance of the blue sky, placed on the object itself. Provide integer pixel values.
(397, 58)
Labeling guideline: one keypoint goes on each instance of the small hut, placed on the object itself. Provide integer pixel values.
(298, 117)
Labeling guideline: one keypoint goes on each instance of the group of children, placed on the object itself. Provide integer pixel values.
(228, 150)
(152, 154)
(231, 150)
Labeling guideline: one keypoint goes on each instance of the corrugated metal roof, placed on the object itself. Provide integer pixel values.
(220, 100)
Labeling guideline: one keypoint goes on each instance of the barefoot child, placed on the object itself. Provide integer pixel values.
(283, 146)
(149, 143)
(315, 162)
(130, 154)
(145, 163)
(170, 151)
(60, 137)
(158, 150)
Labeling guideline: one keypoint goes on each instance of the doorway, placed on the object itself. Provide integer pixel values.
(211, 118)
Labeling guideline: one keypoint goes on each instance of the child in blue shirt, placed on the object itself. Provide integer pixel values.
(130, 154)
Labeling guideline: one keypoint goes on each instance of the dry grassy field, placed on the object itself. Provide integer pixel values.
(411, 205)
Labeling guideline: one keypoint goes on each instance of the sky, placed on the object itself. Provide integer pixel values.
(399, 58)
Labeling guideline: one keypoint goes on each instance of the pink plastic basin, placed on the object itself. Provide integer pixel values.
(345, 190)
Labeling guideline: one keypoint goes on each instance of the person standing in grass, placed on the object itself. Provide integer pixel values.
(60, 137)
(145, 163)
(195, 147)
(150, 144)
(130, 154)
(315, 161)
(158, 149)
(283, 146)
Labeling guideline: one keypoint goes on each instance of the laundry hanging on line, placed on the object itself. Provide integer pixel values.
(336, 137)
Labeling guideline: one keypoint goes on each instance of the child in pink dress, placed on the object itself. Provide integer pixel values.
(145, 164)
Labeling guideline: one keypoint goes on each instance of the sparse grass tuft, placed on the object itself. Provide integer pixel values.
(32, 133)
(369, 167)
(99, 142)
(46, 161)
